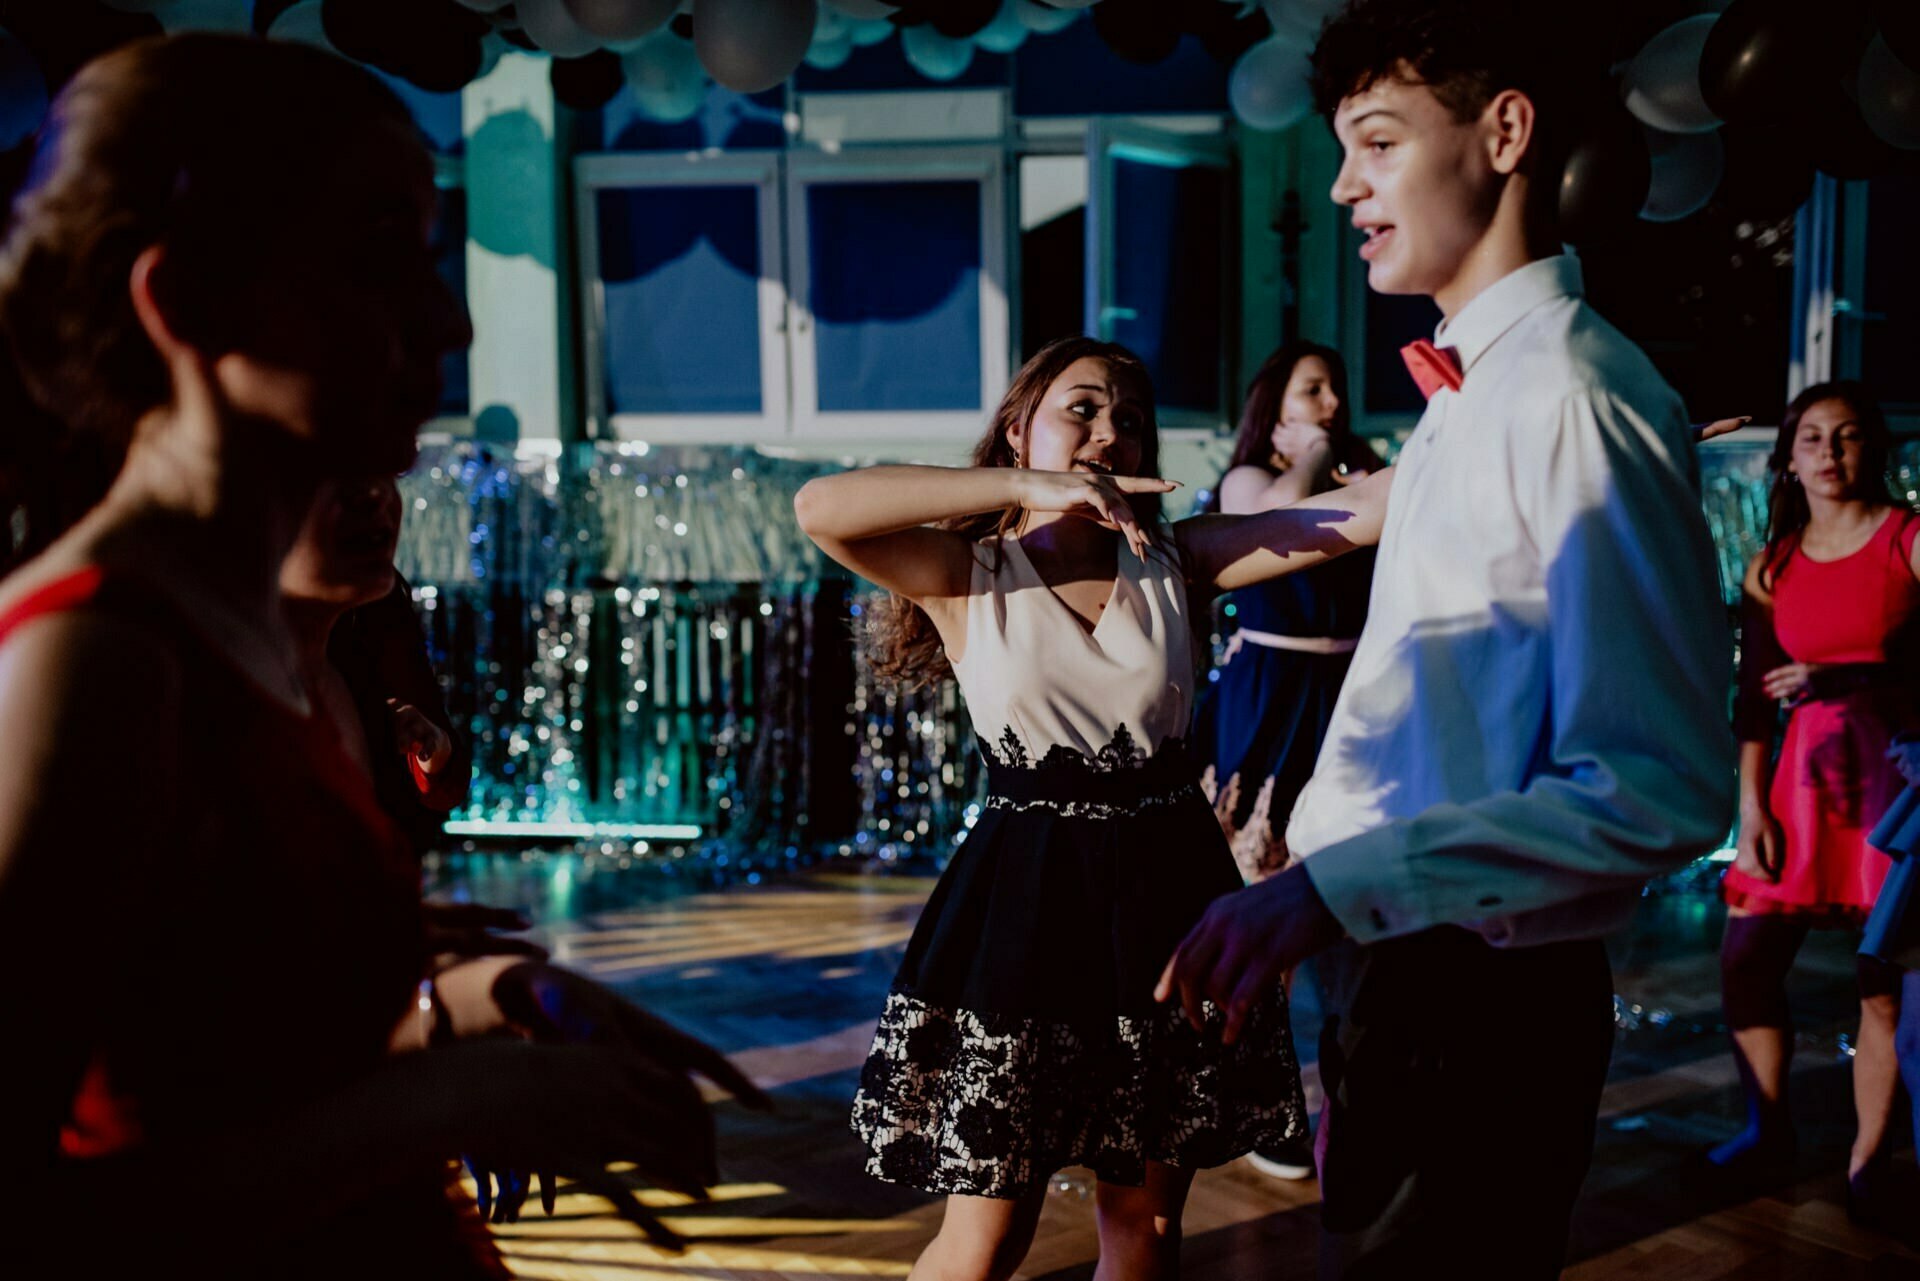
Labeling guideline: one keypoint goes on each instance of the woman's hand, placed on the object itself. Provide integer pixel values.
(418, 739)
(1761, 848)
(576, 1109)
(1301, 444)
(545, 1003)
(1789, 684)
(1093, 496)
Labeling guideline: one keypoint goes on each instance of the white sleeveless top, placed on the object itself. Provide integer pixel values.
(1036, 679)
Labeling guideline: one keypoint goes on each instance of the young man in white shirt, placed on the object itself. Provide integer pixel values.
(1535, 719)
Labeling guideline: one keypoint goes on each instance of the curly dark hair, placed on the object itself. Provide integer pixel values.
(1465, 51)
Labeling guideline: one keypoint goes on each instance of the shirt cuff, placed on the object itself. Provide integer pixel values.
(1366, 883)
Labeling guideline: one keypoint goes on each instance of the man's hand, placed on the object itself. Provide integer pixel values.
(1244, 946)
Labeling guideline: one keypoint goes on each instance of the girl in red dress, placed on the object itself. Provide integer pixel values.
(1830, 604)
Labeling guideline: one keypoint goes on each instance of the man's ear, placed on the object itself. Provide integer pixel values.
(1508, 124)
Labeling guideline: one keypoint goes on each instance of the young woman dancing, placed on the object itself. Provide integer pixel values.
(1832, 605)
(1021, 1034)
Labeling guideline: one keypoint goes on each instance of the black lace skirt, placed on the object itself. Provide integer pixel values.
(1022, 1035)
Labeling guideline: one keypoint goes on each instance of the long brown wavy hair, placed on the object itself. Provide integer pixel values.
(1787, 510)
(899, 642)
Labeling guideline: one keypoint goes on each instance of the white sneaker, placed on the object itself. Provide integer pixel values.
(1291, 1161)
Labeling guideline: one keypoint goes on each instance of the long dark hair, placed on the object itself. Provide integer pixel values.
(899, 641)
(1253, 441)
(1787, 509)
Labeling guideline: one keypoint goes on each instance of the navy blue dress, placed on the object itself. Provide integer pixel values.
(1260, 723)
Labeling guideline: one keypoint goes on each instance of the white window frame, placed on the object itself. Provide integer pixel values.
(760, 170)
(985, 165)
(1110, 139)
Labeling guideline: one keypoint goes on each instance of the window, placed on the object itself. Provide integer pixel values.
(1158, 230)
(898, 275)
(685, 306)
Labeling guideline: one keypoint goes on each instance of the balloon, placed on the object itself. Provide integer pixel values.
(666, 78)
(1686, 169)
(1762, 56)
(830, 53)
(300, 24)
(484, 6)
(1269, 87)
(933, 55)
(23, 92)
(1899, 23)
(962, 19)
(1293, 22)
(618, 21)
(868, 31)
(1044, 18)
(1005, 33)
(137, 6)
(586, 84)
(1768, 173)
(1662, 83)
(205, 15)
(1603, 185)
(1073, 4)
(751, 45)
(864, 9)
(1138, 30)
(1838, 137)
(549, 25)
(1888, 91)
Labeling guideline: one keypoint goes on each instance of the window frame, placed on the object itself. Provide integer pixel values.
(759, 170)
(985, 165)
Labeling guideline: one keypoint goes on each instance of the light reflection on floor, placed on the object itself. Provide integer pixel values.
(788, 979)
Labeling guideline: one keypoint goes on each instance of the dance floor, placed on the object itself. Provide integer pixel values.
(788, 977)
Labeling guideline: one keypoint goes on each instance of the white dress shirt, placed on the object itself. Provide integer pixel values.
(1535, 720)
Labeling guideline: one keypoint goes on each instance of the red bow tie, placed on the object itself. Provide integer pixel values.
(1432, 367)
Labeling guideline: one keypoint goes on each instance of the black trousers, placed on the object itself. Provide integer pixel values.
(1462, 1082)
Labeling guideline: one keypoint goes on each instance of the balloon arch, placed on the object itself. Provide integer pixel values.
(1744, 105)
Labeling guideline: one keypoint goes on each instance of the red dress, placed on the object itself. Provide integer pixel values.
(1833, 780)
(257, 956)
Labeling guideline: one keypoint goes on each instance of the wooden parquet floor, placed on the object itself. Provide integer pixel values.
(788, 978)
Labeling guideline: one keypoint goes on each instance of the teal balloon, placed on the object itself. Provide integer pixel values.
(23, 92)
(866, 31)
(1005, 33)
(933, 55)
(666, 78)
(1044, 19)
(1269, 88)
(825, 55)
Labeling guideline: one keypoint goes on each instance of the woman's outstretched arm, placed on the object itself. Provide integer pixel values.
(1229, 552)
(876, 520)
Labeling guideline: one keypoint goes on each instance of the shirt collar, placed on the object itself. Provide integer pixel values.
(1501, 305)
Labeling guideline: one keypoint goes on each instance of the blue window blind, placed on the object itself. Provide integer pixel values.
(1168, 237)
(894, 287)
(680, 268)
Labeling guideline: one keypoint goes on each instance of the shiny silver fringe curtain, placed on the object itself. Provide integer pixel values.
(637, 635)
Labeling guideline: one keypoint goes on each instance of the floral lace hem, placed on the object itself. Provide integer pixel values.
(984, 1104)
(1121, 753)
